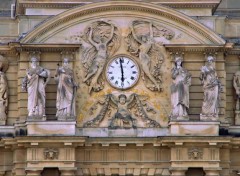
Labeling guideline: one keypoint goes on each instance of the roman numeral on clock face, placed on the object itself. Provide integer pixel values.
(122, 72)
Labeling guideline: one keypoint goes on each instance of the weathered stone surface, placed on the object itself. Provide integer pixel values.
(194, 128)
(50, 128)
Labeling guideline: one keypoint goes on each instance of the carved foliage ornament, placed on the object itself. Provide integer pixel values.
(195, 153)
(142, 42)
(100, 40)
(51, 153)
(127, 110)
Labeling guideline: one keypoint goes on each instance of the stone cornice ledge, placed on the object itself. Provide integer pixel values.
(71, 3)
(198, 47)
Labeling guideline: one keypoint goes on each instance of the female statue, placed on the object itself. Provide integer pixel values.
(211, 88)
(180, 91)
(66, 92)
(101, 56)
(34, 83)
(146, 43)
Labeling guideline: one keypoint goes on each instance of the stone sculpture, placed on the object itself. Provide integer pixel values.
(211, 89)
(123, 117)
(100, 40)
(141, 43)
(34, 83)
(236, 85)
(3, 90)
(66, 92)
(180, 91)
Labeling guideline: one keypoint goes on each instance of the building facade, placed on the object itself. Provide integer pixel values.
(119, 88)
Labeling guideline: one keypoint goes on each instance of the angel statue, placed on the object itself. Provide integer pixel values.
(141, 43)
(123, 117)
(101, 40)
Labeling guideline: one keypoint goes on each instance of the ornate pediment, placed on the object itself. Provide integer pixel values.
(121, 13)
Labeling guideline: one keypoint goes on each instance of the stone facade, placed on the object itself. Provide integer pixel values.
(121, 102)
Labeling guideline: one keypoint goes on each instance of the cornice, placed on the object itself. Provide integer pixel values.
(22, 4)
(47, 47)
(199, 48)
(7, 50)
(104, 7)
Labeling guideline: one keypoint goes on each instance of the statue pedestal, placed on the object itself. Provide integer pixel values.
(7, 131)
(194, 128)
(208, 118)
(50, 128)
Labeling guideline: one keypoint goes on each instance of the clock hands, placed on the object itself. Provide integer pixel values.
(122, 78)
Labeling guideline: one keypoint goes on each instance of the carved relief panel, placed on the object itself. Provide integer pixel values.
(127, 59)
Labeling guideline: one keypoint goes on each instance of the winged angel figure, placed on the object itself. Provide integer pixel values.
(123, 116)
(100, 41)
(141, 43)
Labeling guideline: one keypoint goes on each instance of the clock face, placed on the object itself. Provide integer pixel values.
(122, 72)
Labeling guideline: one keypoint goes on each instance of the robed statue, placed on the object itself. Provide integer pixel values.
(66, 92)
(211, 89)
(180, 91)
(34, 83)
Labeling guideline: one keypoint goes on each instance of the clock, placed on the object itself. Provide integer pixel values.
(122, 72)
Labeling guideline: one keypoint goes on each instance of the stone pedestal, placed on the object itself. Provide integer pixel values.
(234, 130)
(205, 118)
(194, 128)
(7, 131)
(33, 172)
(212, 172)
(50, 128)
(178, 171)
(36, 118)
(138, 132)
(67, 172)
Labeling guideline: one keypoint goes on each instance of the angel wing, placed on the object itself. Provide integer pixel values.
(132, 44)
(157, 54)
(88, 53)
(159, 31)
(113, 102)
(114, 43)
